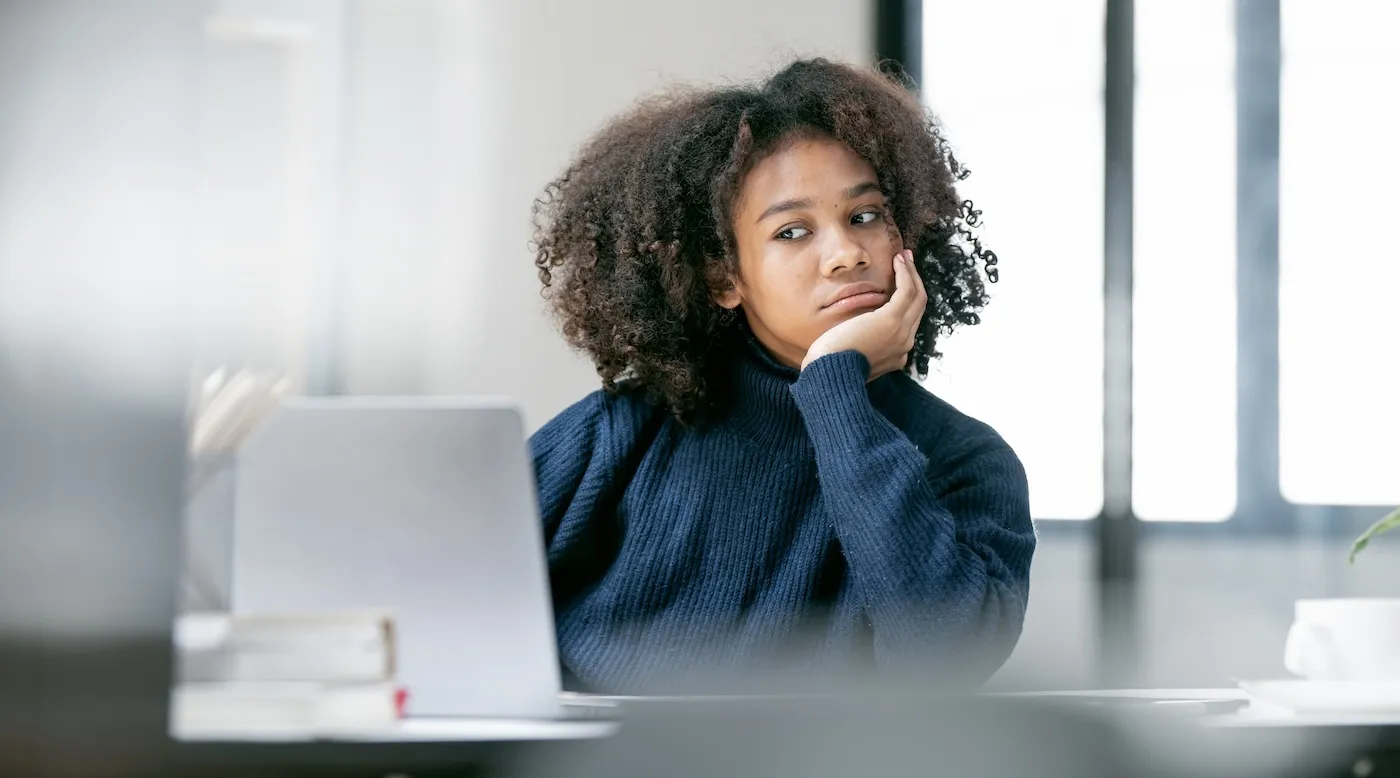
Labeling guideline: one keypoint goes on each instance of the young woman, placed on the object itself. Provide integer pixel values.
(760, 484)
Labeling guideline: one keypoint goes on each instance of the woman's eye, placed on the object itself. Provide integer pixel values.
(793, 233)
(866, 217)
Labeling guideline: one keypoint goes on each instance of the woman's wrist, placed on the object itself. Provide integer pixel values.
(818, 354)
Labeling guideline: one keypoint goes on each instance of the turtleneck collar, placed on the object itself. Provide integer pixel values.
(758, 403)
(765, 361)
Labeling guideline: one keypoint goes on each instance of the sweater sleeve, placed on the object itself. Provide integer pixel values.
(940, 553)
(562, 450)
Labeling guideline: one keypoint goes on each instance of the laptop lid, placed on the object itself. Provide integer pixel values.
(422, 507)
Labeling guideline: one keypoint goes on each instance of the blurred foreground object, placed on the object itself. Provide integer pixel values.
(96, 134)
(228, 405)
(915, 731)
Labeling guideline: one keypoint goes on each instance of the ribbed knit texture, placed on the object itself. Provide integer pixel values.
(818, 521)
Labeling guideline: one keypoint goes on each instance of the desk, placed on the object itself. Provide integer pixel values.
(1251, 740)
(440, 730)
(820, 737)
(1244, 717)
(418, 747)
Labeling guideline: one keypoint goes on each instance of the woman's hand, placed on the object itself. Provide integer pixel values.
(885, 335)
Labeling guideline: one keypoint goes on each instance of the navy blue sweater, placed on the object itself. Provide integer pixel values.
(817, 519)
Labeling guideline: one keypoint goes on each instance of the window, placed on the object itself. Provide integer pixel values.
(1184, 262)
(1033, 137)
(1339, 265)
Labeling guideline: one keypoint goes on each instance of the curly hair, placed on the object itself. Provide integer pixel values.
(635, 237)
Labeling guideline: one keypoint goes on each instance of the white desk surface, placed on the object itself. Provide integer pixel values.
(1136, 694)
(429, 730)
(422, 730)
(1246, 717)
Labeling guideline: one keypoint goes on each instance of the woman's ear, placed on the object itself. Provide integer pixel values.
(724, 290)
(728, 298)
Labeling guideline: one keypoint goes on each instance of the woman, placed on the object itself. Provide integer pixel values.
(760, 484)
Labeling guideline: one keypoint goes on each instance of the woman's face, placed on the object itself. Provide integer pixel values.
(814, 246)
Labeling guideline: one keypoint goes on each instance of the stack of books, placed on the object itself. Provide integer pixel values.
(245, 676)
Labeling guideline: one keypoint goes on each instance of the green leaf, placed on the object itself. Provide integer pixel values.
(1389, 522)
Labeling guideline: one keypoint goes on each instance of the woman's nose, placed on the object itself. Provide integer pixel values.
(843, 254)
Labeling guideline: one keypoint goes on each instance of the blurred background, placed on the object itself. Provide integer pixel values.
(336, 193)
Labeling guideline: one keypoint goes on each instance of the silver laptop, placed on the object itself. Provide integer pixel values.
(422, 507)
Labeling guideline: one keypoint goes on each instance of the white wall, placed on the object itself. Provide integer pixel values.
(458, 114)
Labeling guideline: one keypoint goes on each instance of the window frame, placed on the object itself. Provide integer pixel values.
(1261, 511)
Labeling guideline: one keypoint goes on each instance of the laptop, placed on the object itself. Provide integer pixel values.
(422, 507)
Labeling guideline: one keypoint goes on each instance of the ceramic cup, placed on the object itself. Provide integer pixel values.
(1345, 640)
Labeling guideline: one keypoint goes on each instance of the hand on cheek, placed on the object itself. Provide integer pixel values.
(885, 335)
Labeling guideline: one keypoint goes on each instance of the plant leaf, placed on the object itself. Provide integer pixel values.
(1388, 522)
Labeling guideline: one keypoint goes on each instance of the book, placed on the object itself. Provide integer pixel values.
(244, 710)
(321, 648)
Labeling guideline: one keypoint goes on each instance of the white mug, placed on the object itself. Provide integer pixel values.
(1345, 640)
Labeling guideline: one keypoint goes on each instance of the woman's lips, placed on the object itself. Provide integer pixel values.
(859, 301)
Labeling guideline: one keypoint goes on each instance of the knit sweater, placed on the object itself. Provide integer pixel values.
(816, 520)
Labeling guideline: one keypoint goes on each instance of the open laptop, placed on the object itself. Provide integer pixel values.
(425, 508)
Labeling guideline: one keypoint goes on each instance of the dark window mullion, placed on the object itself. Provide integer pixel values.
(1257, 88)
(1117, 526)
(899, 37)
